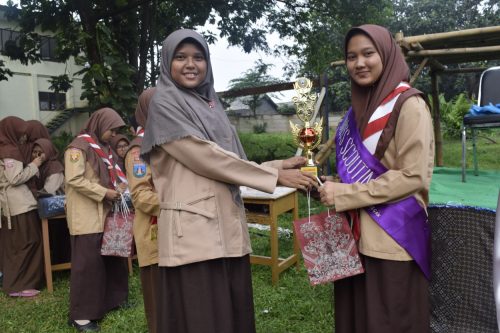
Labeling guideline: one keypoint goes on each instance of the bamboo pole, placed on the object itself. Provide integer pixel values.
(436, 115)
(464, 50)
(415, 75)
(452, 34)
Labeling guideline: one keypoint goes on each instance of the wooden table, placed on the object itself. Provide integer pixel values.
(46, 253)
(264, 208)
(49, 268)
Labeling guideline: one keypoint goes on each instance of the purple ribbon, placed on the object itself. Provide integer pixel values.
(405, 221)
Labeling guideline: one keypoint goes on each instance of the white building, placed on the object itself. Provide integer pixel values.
(26, 94)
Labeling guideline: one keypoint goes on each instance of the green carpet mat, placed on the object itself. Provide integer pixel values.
(479, 191)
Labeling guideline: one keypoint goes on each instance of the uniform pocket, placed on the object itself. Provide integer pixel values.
(194, 232)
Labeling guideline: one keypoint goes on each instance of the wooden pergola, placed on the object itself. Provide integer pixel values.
(438, 50)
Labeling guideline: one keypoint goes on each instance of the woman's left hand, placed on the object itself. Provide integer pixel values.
(294, 162)
(326, 194)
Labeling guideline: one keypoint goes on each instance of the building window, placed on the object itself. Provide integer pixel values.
(48, 45)
(50, 101)
(48, 48)
(8, 35)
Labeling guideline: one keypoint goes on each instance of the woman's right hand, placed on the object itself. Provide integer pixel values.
(296, 178)
(38, 161)
(112, 195)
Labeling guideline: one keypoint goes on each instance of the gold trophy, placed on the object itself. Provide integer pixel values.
(307, 137)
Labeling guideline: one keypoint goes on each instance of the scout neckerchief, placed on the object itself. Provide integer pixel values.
(372, 133)
(106, 159)
(405, 220)
(140, 132)
(380, 116)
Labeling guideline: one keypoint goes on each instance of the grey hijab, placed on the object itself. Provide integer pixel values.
(176, 112)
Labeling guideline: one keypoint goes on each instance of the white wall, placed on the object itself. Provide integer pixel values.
(19, 95)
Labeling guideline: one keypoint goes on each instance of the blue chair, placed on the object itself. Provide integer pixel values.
(489, 92)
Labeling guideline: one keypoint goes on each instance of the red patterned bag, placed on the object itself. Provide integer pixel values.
(328, 247)
(117, 237)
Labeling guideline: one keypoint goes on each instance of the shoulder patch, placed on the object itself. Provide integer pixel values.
(139, 169)
(74, 155)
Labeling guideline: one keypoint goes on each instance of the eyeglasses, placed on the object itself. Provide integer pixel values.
(121, 147)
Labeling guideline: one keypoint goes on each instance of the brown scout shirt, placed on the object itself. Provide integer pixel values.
(86, 208)
(146, 204)
(410, 160)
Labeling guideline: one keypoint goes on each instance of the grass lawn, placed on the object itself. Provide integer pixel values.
(292, 306)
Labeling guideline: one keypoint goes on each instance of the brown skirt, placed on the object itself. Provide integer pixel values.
(149, 282)
(392, 296)
(98, 283)
(213, 296)
(22, 252)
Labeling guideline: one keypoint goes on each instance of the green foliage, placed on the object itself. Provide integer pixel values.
(268, 146)
(260, 128)
(4, 72)
(62, 141)
(61, 83)
(452, 114)
(253, 77)
(109, 83)
(286, 109)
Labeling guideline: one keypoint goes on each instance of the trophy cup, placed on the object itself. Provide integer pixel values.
(307, 137)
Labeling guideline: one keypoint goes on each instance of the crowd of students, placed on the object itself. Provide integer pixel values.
(183, 169)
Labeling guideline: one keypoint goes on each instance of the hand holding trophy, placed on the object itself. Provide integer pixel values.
(306, 137)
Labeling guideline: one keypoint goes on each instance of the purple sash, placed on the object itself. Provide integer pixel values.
(405, 221)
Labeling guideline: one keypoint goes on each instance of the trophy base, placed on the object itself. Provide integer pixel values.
(311, 169)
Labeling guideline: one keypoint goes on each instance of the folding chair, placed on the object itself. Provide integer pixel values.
(489, 92)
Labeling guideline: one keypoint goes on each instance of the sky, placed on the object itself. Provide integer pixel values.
(231, 62)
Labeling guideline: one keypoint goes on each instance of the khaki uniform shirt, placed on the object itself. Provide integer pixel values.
(54, 183)
(86, 208)
(410, 160)
(200, 217)
(146, 204)
(15, 196)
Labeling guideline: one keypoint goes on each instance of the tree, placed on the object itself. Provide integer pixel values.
(254, 77)
(418, 17)
(119, 40)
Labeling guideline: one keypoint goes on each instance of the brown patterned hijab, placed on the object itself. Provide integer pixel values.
(365, 100)
(50, 166)
(176, 112)
(11, 131)
(99, 122)
(36, 130)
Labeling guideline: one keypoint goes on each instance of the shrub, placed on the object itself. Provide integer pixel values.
(260, 128)
(61, 142)
(452, 114)
(268, 147)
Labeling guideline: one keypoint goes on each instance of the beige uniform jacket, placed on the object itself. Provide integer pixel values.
(54, 183)
(145, 202)
(15, 196)
(199, 218)
(86, 209)
(410, 160)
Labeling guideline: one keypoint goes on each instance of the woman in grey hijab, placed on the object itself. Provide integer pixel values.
(198, 164)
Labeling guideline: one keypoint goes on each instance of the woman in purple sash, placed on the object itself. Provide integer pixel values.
(385, 157)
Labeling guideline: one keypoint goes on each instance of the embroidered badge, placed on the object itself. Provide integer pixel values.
(74, 155)
(139, 170)
(8, 163)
